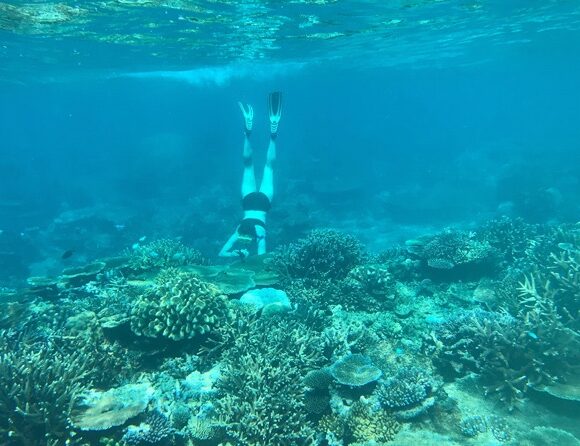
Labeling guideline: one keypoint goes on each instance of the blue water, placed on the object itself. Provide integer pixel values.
(398, 120)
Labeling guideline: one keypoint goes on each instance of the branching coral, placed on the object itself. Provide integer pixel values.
(262, 399)
(38, 383)
(511, 354)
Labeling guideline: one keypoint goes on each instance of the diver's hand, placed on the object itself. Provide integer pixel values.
(241, 253)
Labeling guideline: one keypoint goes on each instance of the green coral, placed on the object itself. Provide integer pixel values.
(180, 306)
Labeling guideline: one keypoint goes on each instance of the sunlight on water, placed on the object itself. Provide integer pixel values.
(61, 38)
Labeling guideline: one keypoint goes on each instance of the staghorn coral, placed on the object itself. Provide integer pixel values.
(180, 306)
(348, 293)
(454, 342)
(262, 399)
(38, 383)
(163, 253)
(564, 280)
(324, 253)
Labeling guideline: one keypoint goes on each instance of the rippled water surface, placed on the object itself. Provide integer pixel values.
(44, 39)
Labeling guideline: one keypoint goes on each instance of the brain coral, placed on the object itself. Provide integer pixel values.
(180, 306)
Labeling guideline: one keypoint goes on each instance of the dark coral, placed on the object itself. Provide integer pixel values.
(324, 253)
(409, 392)
(455, 254)
(156, 430)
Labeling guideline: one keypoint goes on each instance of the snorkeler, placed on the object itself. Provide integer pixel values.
(255, 202)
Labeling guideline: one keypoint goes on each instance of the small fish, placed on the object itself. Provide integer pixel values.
(68, 253)
(532, 335)
(142, 239)
(119, 227)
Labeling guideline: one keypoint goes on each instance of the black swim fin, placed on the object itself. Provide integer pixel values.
(275, 103)
(275, 110)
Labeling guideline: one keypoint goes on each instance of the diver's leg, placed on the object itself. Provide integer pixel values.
(267, 185)
(249, 177)
(275, 112)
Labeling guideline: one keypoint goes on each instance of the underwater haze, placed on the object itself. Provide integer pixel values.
(424, 232)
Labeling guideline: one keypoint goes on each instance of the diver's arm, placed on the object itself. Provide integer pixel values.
(261, 236)
(226, 249)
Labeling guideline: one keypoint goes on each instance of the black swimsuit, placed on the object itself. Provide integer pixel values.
(254, 201)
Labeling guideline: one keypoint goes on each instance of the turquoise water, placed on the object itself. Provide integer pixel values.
(423, 240)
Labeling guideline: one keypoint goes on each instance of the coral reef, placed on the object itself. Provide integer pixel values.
(180, 306)
(511, 353)
(354, 358)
